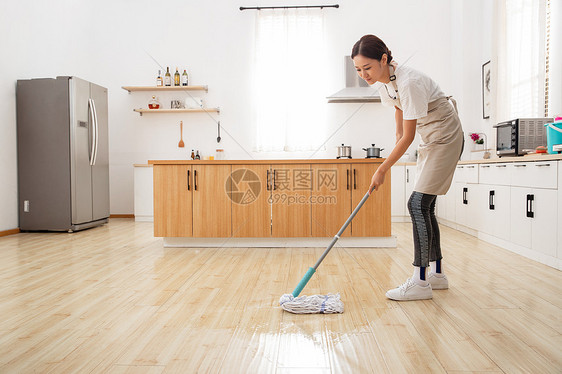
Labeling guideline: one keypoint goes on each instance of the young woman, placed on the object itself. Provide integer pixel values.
(420, 106)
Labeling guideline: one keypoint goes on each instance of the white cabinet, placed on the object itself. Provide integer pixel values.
(512, 204)
(558, 229)
(143, 191)
(495, 174)
(410, 181)
(534, 206)
(403, 180)
(533, 221)
(465, 194)
(493, 205)
(535, 174)
(398, 195)
(494, 199)
(465, 204)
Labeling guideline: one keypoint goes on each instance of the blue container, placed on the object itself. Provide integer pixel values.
(553, 135)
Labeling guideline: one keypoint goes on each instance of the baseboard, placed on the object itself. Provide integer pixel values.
(9, 232)
(139, 218)
(121, 216)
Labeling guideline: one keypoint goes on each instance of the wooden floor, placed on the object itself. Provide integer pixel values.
(113, 300)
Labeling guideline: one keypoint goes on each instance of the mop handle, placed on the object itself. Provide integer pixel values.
(312, 270)
(337, 236)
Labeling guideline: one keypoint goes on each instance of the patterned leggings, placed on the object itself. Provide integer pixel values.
(427, 244)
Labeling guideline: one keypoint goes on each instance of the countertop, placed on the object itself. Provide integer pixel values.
(526, 158)
(268, 162)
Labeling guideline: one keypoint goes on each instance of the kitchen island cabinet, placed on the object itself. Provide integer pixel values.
(173, 200)
(190, 201)
(250, 196)
(371, 220)
(332, 197)
(269, 202)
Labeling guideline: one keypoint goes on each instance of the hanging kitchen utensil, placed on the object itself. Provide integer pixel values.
(218, 131)
(180, 144)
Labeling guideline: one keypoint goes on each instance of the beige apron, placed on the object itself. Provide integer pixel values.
(442, 142)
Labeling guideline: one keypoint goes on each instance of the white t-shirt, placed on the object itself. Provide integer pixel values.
(415, 91)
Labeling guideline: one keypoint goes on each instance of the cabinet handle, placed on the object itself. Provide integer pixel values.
(542, 165)
(464, 195)
(195, 180)
(354, 180)
(188, 184)
(347, 179)
(470, 167)
(485, 166)
(491, 200)
(274, 185)
(519, 166)
(267, 180)
(530, 212)
(501, 166)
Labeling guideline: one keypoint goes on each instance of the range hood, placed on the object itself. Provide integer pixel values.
(356, 89)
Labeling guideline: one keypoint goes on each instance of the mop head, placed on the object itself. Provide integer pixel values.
(325, 304)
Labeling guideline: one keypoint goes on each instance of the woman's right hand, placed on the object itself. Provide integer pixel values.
(376, 180)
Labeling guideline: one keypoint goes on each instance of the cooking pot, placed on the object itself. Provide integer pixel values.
(344, 151)
(373, 152)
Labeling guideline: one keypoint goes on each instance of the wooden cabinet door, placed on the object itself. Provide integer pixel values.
(250, 194)
(212, 210)
(173, 186)
(331, 198)
(290, 200)
(374, 217)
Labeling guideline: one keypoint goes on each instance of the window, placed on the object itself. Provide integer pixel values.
(289, 78)
(523, 60)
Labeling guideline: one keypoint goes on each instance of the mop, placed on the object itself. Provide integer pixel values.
(330, 303)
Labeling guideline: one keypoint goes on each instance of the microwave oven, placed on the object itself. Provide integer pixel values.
(520, 136)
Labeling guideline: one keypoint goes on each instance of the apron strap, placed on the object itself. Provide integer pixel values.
(454, 103)
(392, 76)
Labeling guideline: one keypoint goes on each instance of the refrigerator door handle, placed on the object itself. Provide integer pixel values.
(93, 127)
(97, 130)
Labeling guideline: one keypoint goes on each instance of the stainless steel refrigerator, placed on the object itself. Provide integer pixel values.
(63, 154)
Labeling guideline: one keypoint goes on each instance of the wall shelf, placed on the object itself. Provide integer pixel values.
(141, 111)
(165, 88)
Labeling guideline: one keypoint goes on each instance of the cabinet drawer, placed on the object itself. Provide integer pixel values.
(542, 174)
(467, 173)
(498, 174)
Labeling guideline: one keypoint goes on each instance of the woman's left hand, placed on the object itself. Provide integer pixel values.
(376, 180)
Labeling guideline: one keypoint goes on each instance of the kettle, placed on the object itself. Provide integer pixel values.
(373, 152)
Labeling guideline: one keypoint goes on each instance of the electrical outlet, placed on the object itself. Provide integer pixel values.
(26, 206)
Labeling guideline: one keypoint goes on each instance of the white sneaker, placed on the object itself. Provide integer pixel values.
(410, 290)
(438, 281)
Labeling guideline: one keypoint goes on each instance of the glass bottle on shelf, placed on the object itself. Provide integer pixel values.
(192, 154)
(197, 156)
(219, 154)
(177, 78)
(159, 82)
(168, 77)
(184, 78)
(154, 103)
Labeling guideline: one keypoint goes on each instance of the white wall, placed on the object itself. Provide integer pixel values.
(115, 43)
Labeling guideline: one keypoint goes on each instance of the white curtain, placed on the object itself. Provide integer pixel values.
(520, 69)
(289, 75)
